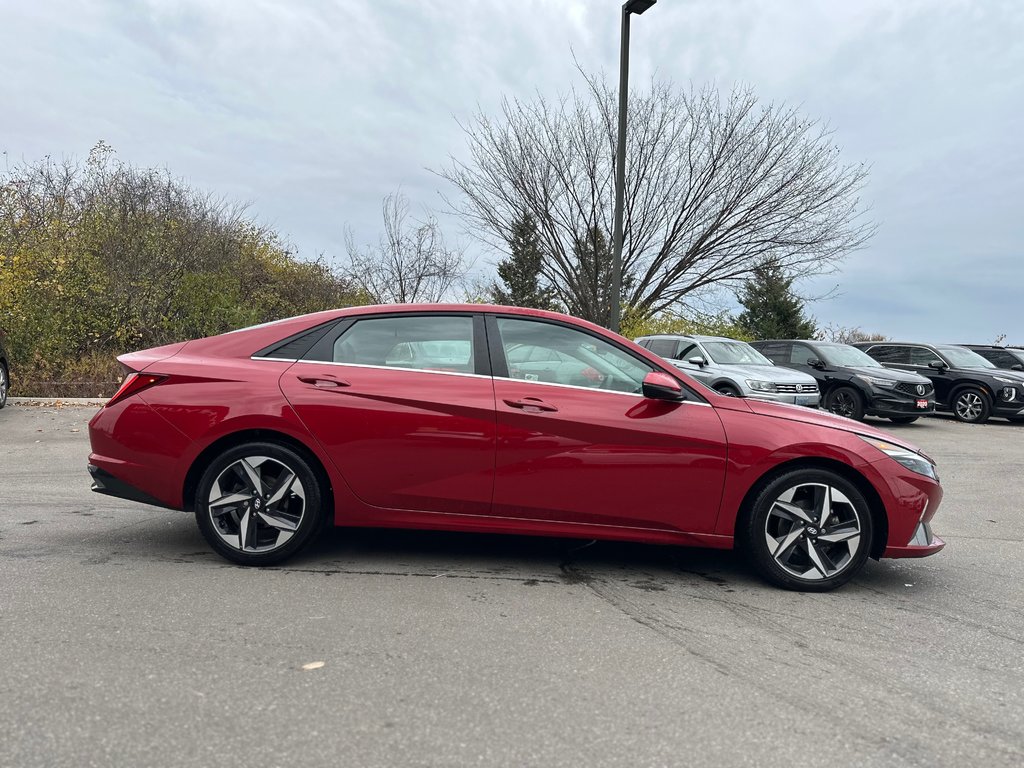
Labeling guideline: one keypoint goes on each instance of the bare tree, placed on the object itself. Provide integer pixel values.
(714, 186)
(845, 335)
(411, 262)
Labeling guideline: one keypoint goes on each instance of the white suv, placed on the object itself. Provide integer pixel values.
(734, 368)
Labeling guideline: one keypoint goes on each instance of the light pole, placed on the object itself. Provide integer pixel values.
(637, 7)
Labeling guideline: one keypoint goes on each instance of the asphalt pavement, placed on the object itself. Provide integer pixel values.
(125, 642)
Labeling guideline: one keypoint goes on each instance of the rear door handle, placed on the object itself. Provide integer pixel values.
(324, 382)
(530, 404)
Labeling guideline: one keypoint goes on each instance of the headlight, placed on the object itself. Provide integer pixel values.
(915, 462)
(760, 386)
(879, 383)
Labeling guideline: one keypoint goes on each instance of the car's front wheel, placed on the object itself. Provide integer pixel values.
(846, 401)
(727, 389)
(808, 530)
(258, 503)
(972, 406)
(4, 384)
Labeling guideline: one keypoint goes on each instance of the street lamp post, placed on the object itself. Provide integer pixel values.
(637, 7)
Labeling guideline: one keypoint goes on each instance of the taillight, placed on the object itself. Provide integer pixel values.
(133, 384)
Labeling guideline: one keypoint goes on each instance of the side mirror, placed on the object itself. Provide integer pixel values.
(816, 362)
(661, 386)
(1017, 367)
(698, 361)
(938, 365)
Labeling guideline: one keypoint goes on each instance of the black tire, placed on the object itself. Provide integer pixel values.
(845, 401)
(792, 566)
(295, 516)
(5, 384)
(903, 419)
(727, 389)
(971, 405)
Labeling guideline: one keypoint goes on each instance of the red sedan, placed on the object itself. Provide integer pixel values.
(497, 419)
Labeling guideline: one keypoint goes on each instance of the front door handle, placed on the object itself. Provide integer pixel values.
(324, 382)
(531, 404)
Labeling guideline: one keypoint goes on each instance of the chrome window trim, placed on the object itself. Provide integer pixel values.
(472, 375)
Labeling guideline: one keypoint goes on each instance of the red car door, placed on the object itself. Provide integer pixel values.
(578, 443)
(398, 404)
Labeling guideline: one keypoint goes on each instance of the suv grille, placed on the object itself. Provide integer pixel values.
(913, 391)
(803, 389)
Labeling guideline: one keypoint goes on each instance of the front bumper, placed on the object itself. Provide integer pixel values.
(887, 405)
(809, 399)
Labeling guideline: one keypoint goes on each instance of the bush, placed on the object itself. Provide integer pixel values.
(101, 258)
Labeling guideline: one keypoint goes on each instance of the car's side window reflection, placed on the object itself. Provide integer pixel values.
(554, 354)
(435, 343)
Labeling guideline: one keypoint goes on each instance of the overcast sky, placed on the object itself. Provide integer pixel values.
(313, 110)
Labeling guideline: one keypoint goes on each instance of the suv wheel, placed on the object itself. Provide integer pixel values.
(727, 390)
(972, 406)
(808, 530)
(846, 401)
(4, 384)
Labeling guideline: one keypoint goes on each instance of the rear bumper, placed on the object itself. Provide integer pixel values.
(105, 483)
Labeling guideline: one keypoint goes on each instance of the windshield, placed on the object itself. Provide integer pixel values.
(965, 358)
(844, 354)
(734, 353)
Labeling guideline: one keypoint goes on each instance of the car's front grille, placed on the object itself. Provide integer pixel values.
(915, 390)
(797, 389)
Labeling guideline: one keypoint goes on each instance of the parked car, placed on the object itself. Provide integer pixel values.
(965, 382)
(5, 373)
(733, 368)
(852, 383)
(1009, 358)
(267, 432)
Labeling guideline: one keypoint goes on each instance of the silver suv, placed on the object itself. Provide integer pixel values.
(734, 368)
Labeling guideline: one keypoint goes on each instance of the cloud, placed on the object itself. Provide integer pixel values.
(313, 111)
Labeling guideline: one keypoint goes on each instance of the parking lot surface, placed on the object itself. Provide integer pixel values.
(125, 641)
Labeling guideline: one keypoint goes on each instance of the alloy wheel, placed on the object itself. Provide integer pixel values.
(969, 406)
(3, 386)
(813, 531)
(256, 504)
(843, 404)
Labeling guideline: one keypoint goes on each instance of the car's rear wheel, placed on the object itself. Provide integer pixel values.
(903, 419)
(972, 406)
(4, 384)
(846, 401)
(808, 530)
(727, 389)
(258, 503)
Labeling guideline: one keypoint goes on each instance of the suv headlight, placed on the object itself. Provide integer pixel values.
(879, 383)
(761, 386)
(912, 460)
(1008, 393)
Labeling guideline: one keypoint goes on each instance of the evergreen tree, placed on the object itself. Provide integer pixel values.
(771, 309)
(520, 273)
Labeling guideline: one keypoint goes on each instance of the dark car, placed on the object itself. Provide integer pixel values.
(965, 382)
(852, 383)
(1009, 358)
(420, 416)
(5, 372)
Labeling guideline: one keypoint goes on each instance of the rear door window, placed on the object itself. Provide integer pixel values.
(890, 354)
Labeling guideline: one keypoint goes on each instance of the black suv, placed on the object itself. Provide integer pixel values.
(965, 382)
(852, 383)
(1010, 358)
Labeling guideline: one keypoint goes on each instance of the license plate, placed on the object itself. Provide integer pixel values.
(922, 403)
(805, 401)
